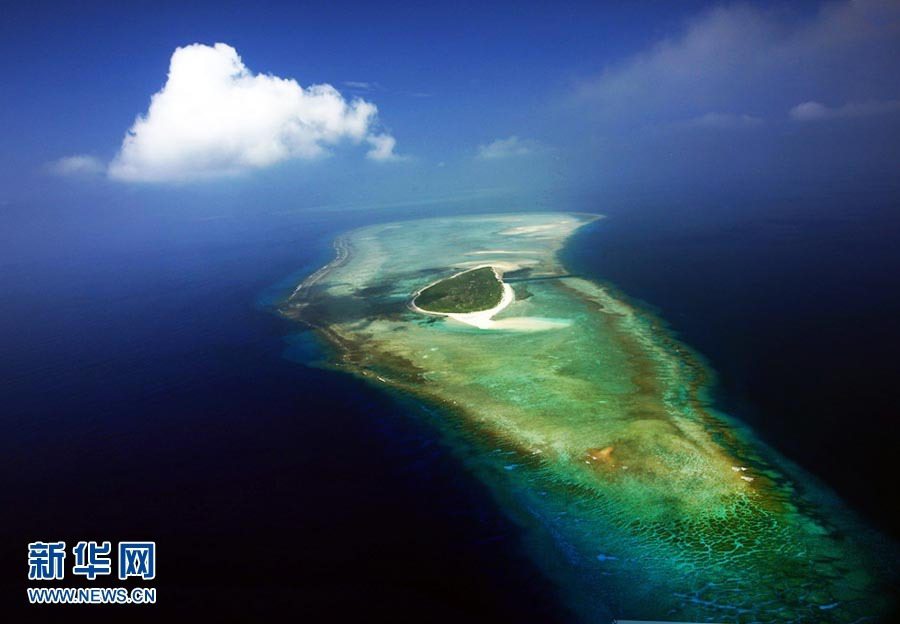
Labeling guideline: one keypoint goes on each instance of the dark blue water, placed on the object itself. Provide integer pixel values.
(795, 302)
(145, 396)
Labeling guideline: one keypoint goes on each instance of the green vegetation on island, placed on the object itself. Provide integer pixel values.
(472, 291)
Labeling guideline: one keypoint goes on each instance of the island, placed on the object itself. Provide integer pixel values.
(591, 423)
(473, 290)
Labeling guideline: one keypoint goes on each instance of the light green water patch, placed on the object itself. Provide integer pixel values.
(596, 432)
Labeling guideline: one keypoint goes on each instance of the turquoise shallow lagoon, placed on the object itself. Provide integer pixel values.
(594, 429)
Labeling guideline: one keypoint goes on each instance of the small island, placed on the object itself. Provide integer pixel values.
(474, 290)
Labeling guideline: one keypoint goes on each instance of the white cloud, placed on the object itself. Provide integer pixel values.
(359, 85)
(215, 117)
(815, 111)
(809, 111)
(382, 147)
(505, 148)
(79, 164)
(740, 57)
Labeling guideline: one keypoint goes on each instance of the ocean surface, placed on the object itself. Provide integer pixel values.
(150, 392)
(795, 303)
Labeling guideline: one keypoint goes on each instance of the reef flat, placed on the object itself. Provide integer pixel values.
(592, 424)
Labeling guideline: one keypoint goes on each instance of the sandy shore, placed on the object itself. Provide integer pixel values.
(482, 320)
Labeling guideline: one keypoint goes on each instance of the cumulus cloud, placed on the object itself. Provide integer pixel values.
(382, 148)
(215, 117)
(741, 57)
(815, 111)
(79, 164)
(505, 148)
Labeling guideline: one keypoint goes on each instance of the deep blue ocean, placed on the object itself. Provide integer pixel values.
(149, 391)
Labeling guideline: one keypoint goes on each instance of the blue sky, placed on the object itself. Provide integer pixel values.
(595, 96)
